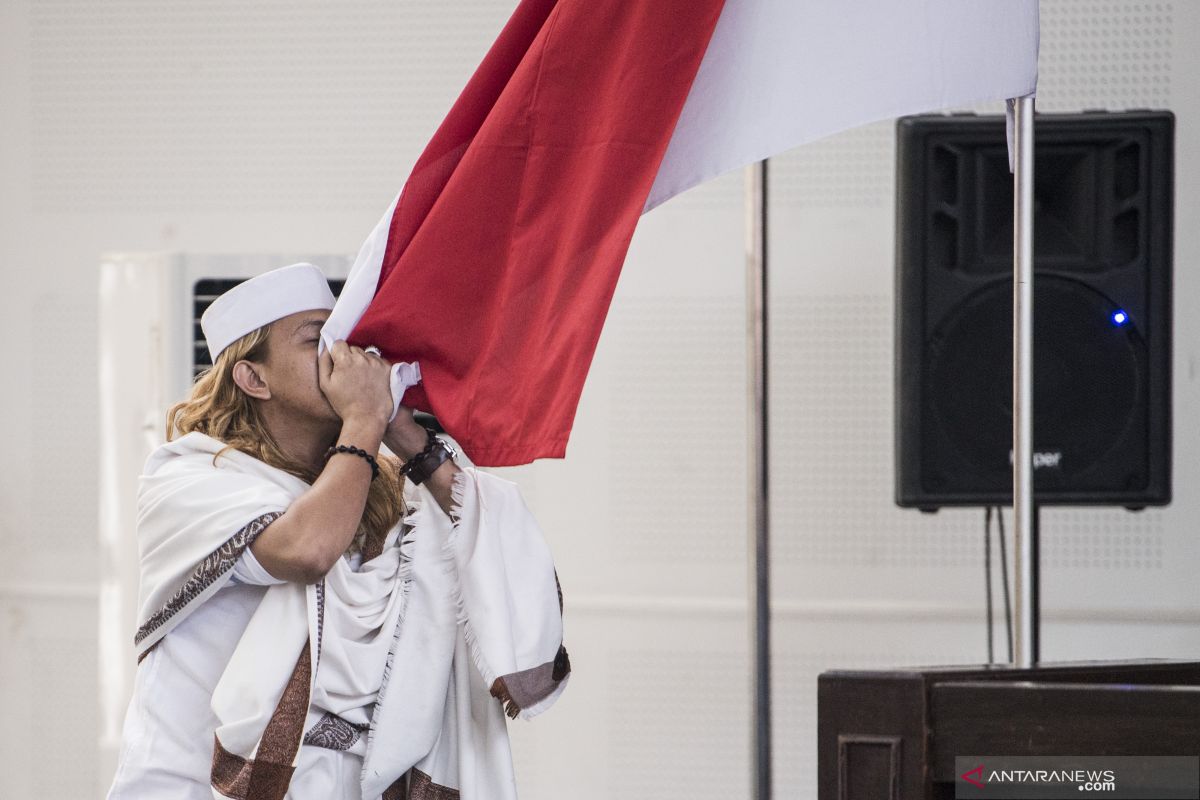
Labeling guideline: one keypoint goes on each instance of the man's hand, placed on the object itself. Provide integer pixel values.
(357, 384)
(404, 435)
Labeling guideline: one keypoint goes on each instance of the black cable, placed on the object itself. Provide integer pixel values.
(1004, 572)
(987, 577)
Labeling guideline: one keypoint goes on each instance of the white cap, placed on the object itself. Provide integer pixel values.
(263, 299)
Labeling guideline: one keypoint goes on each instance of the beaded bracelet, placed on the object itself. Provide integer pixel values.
(421, 466)
(349, 448)
(430, 442)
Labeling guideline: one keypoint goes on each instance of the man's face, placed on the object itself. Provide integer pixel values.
(291, 367)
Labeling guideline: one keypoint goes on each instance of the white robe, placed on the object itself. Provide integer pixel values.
(451, 616)
(169, 709)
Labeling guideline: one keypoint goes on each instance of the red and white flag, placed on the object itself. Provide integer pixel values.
(493, 268)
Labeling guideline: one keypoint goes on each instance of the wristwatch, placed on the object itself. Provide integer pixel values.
(418, 468)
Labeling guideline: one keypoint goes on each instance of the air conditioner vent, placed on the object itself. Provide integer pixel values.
(204, 291)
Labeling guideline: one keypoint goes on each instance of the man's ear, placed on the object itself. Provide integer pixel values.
(247, 375)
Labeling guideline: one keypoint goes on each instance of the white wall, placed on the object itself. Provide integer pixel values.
(232, 127)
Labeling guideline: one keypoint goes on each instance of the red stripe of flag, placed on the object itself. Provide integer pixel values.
(509, 236)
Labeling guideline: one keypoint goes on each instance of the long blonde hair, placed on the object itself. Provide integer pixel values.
(217, 407)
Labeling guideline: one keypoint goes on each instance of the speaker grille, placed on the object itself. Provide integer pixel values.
(1088, 373)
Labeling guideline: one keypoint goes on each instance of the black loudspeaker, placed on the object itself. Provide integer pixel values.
(1103, 195)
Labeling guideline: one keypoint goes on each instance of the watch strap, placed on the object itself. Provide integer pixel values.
(420, 467)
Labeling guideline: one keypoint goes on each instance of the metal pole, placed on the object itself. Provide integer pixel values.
(758, 551)
(1024, 550)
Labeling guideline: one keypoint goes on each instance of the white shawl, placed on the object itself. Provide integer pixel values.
(473, 611)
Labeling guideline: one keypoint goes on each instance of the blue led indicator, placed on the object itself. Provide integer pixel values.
(1120, 318)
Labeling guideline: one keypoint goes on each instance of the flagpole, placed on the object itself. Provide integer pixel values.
(757, 543)
(1025, 645)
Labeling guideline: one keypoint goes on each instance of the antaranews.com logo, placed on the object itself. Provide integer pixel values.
(1088, 780)
(1052, 777)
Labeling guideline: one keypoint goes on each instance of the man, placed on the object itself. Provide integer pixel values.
(305, 632)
